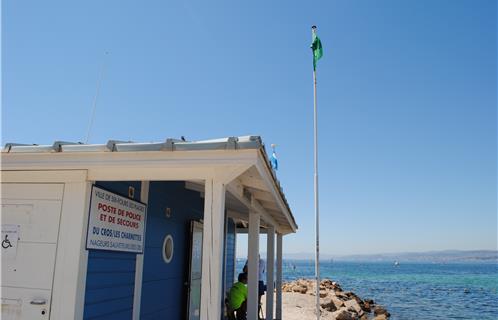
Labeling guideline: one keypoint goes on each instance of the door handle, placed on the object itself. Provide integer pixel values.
(38, 302)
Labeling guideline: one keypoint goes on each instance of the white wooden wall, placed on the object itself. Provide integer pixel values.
(60, 226)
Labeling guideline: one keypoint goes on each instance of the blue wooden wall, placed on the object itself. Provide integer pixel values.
(110, 279)
(111, 275)
(229, 255)
(164, 293)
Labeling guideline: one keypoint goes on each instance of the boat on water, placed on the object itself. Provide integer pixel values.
(396, 263)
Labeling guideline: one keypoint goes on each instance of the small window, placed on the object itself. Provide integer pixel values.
(168, 248)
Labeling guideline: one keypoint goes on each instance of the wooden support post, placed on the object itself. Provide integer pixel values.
(253, 266)
(278, 312)
(270, 263)
(212, 250)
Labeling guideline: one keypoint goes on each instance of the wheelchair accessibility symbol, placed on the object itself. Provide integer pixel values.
(6, 242)
(9, 238)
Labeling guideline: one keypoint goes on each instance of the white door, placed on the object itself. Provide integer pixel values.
(194, 293)
(30, 212)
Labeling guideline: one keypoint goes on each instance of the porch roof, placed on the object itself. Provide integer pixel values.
(255, 185)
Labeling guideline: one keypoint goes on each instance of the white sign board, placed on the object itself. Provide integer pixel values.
(10, 235)
(115, 223)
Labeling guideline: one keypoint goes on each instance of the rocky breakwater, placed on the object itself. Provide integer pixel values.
(338, 304)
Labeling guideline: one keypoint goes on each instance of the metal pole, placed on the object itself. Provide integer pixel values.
(317, 224)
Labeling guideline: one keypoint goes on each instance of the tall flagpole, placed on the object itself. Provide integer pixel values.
(317, 216)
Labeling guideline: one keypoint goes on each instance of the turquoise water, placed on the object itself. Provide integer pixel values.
(414, 290)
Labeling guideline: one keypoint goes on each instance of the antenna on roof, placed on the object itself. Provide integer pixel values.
(99, 83)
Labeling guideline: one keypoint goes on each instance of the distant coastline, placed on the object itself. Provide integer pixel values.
(445, 256)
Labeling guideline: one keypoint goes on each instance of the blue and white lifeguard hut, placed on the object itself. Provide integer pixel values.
(128, 230)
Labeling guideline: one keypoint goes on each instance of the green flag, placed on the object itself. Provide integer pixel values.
(316, 46)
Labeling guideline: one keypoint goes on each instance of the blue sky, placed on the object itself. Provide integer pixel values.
(407, 95)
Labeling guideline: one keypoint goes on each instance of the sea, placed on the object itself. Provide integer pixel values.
(412, 290)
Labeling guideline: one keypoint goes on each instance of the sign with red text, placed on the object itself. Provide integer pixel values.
(115, 223)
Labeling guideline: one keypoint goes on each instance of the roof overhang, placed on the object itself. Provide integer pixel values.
(240, 162)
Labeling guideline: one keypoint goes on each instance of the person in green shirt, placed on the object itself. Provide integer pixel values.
(238, 297)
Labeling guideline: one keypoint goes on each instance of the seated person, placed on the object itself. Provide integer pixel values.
(261, 277)
(238, 297)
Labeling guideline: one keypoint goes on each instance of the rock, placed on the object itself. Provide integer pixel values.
(366, 306)
(330, 285)
(328, 304)
(343, 314)
(353, 312)
(358, 299)
(379, 310)
(342, 295)
(342, 305)
(303, 283)
(352, 295)
(327, 284)
(354, 305)
(300, 289)
(337, 302)
(337, 287)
